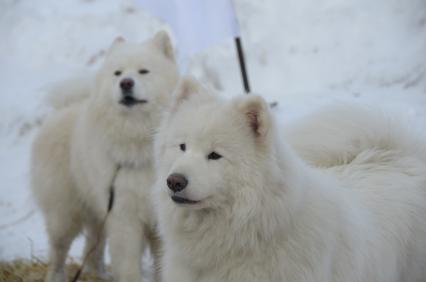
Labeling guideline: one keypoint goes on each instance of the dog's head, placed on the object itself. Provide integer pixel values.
(209, 151)
(136, 77)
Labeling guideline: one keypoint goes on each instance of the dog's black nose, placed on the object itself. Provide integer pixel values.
(127, 84)
(176, 182)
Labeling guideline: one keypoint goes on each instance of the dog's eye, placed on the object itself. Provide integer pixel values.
(117, 73)
(182, 147)
(214, 156)
(143, 71)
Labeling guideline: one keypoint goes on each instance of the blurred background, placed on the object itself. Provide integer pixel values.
(300, 53)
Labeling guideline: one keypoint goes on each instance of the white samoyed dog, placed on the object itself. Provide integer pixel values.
(78, 150)
(339, 197)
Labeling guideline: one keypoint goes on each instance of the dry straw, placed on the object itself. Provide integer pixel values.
(35, 271)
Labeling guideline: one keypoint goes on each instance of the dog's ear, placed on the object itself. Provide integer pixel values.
(256, 114)
(117, 42)
(164, 44)
(187, 89)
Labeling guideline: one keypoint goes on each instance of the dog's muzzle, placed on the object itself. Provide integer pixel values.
(127, 97)
(177, 183)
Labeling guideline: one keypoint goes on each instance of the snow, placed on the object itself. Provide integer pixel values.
(302, 53)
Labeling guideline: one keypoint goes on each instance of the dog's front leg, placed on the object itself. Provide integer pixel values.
(126, 242)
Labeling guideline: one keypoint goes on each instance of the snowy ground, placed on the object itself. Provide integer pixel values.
(302, 53)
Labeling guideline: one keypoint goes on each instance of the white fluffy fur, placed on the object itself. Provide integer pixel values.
(77, 150)
(339, 197)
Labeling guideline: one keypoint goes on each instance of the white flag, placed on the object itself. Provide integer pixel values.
(197, 24)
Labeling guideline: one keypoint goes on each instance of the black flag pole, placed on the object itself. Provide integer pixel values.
(243, 69)
(242, 62)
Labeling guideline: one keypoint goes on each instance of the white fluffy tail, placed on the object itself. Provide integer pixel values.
(337, 134)
(70, 92)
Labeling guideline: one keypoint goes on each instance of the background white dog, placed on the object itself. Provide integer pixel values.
(236, 202)
(80, 147)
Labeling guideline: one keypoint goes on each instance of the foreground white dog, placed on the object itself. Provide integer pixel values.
(237, 203)
(79, 148)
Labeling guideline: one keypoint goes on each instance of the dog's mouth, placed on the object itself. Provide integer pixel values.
(130, 101)
(182, 200)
